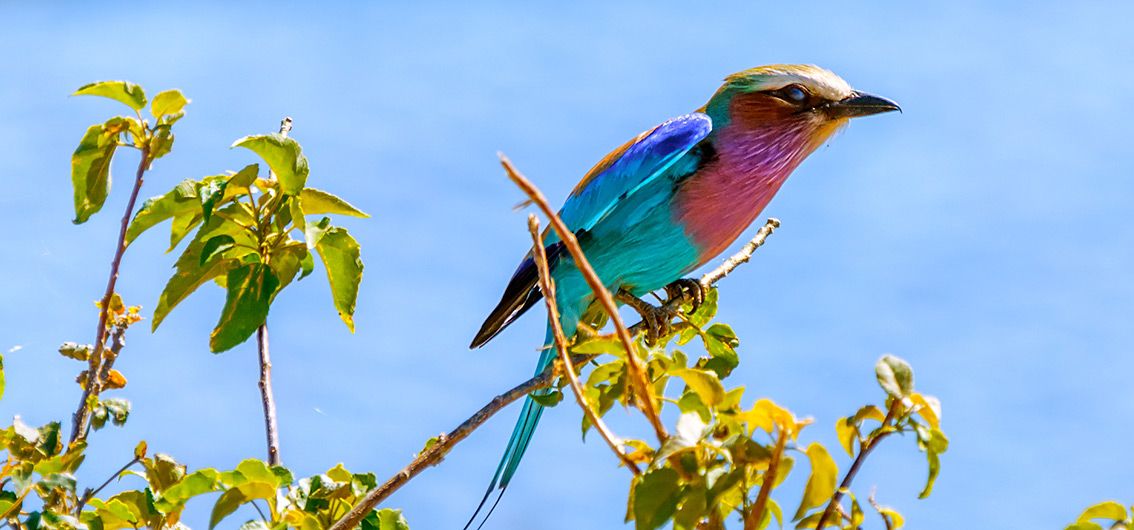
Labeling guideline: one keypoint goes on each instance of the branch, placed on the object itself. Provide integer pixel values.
(271, 425)
(547, 285)
(433, 454)
(89, 493)
(81, 418)
(858, 460)
(637, 371)
(752, 519)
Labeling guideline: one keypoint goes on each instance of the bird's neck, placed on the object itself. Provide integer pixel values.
(756, 149)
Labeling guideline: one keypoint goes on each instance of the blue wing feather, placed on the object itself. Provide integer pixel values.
(640, 162)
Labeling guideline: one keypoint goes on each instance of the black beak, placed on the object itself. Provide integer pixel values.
(860, 104)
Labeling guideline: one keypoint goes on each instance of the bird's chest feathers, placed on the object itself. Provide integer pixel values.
(727, 193)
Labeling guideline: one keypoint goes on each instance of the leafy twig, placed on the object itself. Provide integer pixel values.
(637, 370)
(81, 418)
(547, 285)
(271, 426)
(864, 451)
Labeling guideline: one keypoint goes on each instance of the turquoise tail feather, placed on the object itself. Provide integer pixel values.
(521, 436)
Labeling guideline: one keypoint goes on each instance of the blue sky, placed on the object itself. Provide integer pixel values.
(985, 234)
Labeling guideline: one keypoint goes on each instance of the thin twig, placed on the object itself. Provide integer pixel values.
(433, 454)
(267, 397)
(743, 255)
(878, 508)
(858, 460)
(752, 518)
(637, 371)
(547, 285)
(93, 387)
(89, 493)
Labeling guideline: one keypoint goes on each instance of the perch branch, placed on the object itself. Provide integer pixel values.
(637, 371)
(82, 416)
(547, 285)
(433, 454)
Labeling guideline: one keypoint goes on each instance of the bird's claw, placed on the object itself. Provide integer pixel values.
(656, 319)
(688, 289)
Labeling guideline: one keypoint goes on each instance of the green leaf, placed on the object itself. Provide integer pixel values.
(162, 471)
(240, 495)
(169, 102)
(549, 399)
(654, 498)
(210, 192)
(704, 383)
(384, 519)
(895, 376)
(250, 290)
(215, 246)
(90, 171)
(190, 273)
(934, 469)
(283, 155)
(1109, 510)
(2, 382)
(122, 91)
(180, 200)
(821, 484)
(313, 232)
(341, 257)
(196, 483)
(295, 208)
(289, 260)
(317, 202)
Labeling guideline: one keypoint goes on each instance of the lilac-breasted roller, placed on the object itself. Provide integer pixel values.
(675, 197)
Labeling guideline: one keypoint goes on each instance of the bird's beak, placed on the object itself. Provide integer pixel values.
(860, 104)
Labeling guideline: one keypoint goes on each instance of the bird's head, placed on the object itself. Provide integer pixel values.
(791, 97)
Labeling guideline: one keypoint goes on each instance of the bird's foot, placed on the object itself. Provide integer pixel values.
(655, 318)
(688, 289)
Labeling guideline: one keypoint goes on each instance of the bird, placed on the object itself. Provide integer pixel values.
(669, 200)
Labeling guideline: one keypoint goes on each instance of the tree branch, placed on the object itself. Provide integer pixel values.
(858, 460)
(81, 418)
(434, 453)
(638, 375)
(547, 285)
(267, 397)
(752, 518)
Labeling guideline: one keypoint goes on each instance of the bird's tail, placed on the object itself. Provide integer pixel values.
(521, 436)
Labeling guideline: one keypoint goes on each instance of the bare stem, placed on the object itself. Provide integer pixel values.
(89, 493)
(638, 375)
(753, 518)
(81, 418)
(267, 398)
(433, 454)
(547, 285)
(858, 460)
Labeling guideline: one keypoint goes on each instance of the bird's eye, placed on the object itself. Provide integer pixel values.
(794, 93)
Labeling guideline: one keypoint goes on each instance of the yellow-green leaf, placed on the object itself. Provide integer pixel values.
(821, 484)
(704, 383)
(90, 171)
(1109, 510)
(895, 376)
(317, 202)
(847, 433)
(341, 257)
(169, 102)
(283, 155)
(122, 91)
(250, 290)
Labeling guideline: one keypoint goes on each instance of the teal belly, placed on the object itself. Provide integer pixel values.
(637, 247)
